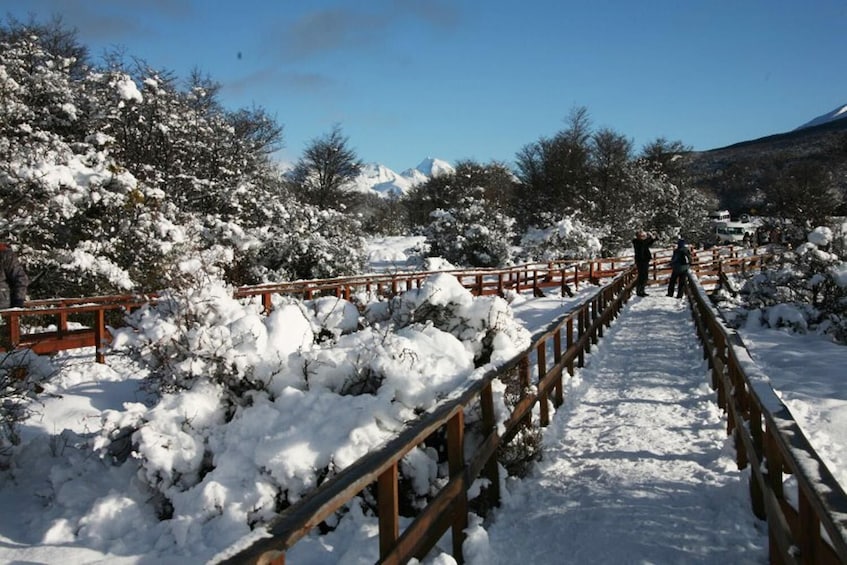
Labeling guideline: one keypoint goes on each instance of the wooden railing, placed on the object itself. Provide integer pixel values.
(71, 323)
(66, 323)
(769, 442)
(767, 438)
(540, 372)
(566, 342)
(49, 326)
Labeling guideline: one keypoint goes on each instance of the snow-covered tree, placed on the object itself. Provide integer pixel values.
(309, 243)
(569, 238)
(112, 177)
(471, 234)
(446, 191)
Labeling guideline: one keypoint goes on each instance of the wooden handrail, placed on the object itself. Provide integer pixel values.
(767, 437)
(562, 275)
(769, 441)
(448, 509)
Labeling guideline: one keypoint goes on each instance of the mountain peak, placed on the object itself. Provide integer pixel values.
(379, 179)
(837, 114)
(432, 167)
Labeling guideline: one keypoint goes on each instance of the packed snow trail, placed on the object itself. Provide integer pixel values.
(637, 467)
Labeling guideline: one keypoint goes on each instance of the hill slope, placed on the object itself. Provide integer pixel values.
(739, 173)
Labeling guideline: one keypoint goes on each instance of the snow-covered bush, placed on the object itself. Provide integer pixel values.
(484, 324)
(805, 291)
(568, 238)
(198, 333)
(282, 401)
(21, 375)
(308, 243)
(471, 234)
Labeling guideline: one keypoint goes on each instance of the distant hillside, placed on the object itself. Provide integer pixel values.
(839, 113)
(739, 174)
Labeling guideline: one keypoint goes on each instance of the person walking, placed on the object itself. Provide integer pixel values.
(641, 245)
(680, 261)
(13, 279)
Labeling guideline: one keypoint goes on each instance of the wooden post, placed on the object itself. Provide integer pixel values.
(12, 331)
(523, 382)
(456, 464)
(388, 508)
(594, 315)
(773, 461)
(63, 322)
(580, 319)
(810, 529)
(569, 343)
(489, 425)
(559, 397)
(544, 410)
(757, 499)
(100, 335)
(562, 290)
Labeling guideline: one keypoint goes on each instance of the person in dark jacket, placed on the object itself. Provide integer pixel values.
(641, 245)
(13, 282)
(680, 260)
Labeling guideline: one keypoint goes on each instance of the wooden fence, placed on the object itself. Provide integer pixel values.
(769, 442)
(50, 326)
(567, 342)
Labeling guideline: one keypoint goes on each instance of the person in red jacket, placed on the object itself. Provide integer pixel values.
(13, 280)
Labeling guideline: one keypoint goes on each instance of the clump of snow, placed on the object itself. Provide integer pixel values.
(127, 89)
(786, 315)
(396, 253)
(81, 260)
(820, 236)
(432, 264)
(335, 315)
(839, 274)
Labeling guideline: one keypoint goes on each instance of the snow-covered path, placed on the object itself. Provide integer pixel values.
(637, 467)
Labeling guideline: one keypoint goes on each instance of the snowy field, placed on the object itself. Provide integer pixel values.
(636, 464)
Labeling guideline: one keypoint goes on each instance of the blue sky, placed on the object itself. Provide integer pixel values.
(410, 79)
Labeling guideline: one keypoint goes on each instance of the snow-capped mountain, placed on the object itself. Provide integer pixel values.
(837, 114)
(384, 181)
(432, 167)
